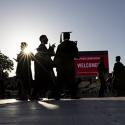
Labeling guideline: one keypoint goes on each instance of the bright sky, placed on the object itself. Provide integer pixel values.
(96, 24)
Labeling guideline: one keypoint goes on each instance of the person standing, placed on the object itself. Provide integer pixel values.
(44, 75)
(23, 71)
(118, 67)
(118, 77)
(64, 60)
(102, 72)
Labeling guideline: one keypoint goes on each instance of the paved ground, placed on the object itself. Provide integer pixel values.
(86, 111)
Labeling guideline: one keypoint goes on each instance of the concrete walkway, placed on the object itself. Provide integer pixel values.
(86, 111)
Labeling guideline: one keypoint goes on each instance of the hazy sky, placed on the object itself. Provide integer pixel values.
(96, 24)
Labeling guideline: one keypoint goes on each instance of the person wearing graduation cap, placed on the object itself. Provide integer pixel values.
(64, 60)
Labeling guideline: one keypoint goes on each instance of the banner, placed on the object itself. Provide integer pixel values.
(86, 64)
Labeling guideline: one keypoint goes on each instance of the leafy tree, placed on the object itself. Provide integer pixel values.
(5, 63)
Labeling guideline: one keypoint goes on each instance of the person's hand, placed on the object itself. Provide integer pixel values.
(53, 45)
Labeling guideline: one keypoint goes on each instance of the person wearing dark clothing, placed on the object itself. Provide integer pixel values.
(23, 71)
(102, 72)
(118, 67)
(44, 75)
(118, 77)
(64, 59)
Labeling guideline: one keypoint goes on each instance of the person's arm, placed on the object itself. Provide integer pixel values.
(15, 59)
(51, 50)
(76, 51)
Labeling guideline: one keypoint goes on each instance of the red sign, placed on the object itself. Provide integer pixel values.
(86, 64)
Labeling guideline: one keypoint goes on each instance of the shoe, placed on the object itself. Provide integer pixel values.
(75, 97)
(35, 99)
(22, 99)
(57, 98)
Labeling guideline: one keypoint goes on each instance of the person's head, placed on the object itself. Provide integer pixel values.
(43, 39)
(23, 45)
(64, 36)
(118, 58)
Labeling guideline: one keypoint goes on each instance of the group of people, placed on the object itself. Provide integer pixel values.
(113, 81)
(46, 84)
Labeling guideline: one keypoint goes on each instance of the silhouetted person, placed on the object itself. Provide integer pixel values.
(118, 77)
(44, 75)
(118, 66)
(102, 71)
(23, 71)
(64, 59)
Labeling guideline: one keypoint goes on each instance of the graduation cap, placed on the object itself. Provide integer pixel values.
(64, 35)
